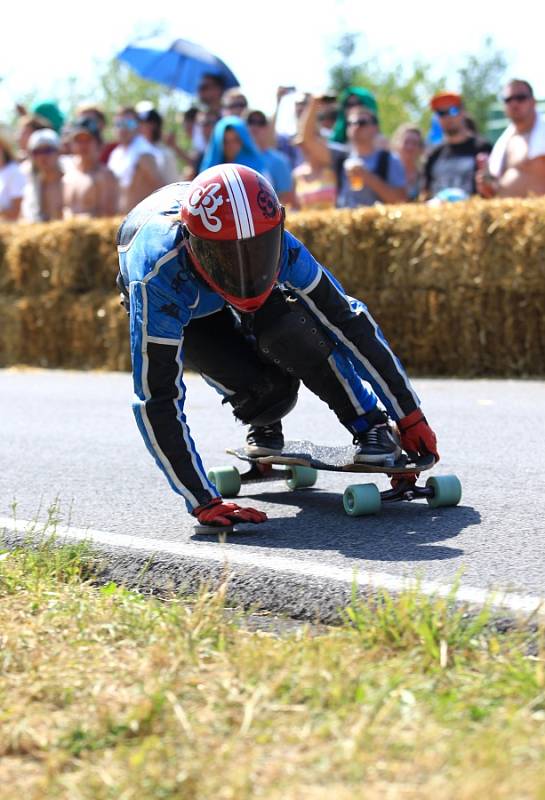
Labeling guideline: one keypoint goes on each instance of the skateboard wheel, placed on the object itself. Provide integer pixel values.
(301, 477)
(447, 491)
(226, 480)
(361, 499)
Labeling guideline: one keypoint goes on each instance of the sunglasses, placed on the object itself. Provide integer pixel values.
(453, 111)
(126, 124)
(258, 123)
(327, 116)
(239, 104)
(44, 151)
(516, 98)
(362, 122)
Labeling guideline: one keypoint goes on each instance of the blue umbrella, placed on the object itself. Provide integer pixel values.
(182, 66)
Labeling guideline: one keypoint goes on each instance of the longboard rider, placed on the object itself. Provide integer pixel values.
(212, 279)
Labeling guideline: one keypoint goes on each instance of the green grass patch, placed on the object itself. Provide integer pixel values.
(107, 694)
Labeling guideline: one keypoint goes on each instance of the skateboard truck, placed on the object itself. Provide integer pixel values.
(406, 490)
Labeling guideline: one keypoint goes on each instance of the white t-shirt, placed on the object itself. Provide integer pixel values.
(124, 158)
(166, 161)
(12, 184)
(536, 145)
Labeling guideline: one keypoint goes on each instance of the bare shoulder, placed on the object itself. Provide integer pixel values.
(106, 174)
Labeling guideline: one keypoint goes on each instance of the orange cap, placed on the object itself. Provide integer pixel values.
(446, 100)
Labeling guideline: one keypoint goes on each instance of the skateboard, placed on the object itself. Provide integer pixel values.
(299, 462)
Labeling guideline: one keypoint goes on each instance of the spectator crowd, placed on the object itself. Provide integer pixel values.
(51, 168)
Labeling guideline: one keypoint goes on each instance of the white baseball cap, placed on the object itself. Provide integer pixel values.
(44, 138)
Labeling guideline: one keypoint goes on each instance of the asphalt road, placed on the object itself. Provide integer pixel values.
(70, 438)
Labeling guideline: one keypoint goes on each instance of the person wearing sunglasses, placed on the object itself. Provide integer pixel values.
(366, 173)
(133, 161)
(43, 192)
(234, 103)
(452, 165)
(90, 189)
(516, 167)
(352, 97)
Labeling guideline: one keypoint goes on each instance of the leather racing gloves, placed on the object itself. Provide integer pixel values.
(218, 512)
(417, 438)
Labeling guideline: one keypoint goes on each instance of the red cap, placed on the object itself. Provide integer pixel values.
(446, 100)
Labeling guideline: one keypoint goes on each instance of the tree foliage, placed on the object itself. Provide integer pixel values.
(402, 94)
(403, 91)
(481, 77)
(119, 86)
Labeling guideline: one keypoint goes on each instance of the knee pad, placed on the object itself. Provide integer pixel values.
(295, 341)
(265, 402)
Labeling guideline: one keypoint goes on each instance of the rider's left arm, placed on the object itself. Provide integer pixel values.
(351, 325)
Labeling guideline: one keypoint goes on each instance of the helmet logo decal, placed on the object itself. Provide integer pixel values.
(204, 203)
(266, 201)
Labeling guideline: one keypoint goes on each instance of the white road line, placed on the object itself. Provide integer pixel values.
(223, 554)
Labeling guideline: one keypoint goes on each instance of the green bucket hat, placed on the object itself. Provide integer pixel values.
(51, 112)
(366, 99)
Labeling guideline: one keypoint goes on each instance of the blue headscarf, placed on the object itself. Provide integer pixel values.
(249, 154)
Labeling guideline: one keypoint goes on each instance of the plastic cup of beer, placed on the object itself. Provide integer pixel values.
(352, 167)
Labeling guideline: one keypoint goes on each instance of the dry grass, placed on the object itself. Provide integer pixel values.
(105, 694)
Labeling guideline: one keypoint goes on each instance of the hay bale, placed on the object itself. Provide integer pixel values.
(88, 331)
(458, 289)
(78, 255)
(43, 329)
(416, 245)
(10, 332)
(98, 332)
(6, 282)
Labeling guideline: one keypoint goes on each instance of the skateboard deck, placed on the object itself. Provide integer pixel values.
(304, 453)
(298, 465)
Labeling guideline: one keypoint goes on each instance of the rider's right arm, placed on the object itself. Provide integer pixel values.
(163, 296)
(156, 330)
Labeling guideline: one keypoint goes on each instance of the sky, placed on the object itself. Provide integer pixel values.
(286, 42)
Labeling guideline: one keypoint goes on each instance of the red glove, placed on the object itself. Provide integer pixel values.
(397, 480)
(417, 438)
(217, 512)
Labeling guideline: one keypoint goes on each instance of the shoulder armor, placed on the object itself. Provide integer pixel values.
(164, 202)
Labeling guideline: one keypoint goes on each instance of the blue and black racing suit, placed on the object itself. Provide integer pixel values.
(169, 305)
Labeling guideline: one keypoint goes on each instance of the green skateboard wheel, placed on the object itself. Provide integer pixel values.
(447, 491)
(301, 477)
(361, 499)
(226, 480)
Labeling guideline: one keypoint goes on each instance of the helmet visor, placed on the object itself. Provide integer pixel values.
(241, 268)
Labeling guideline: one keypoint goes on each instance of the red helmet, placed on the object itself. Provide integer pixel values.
(233, 222)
